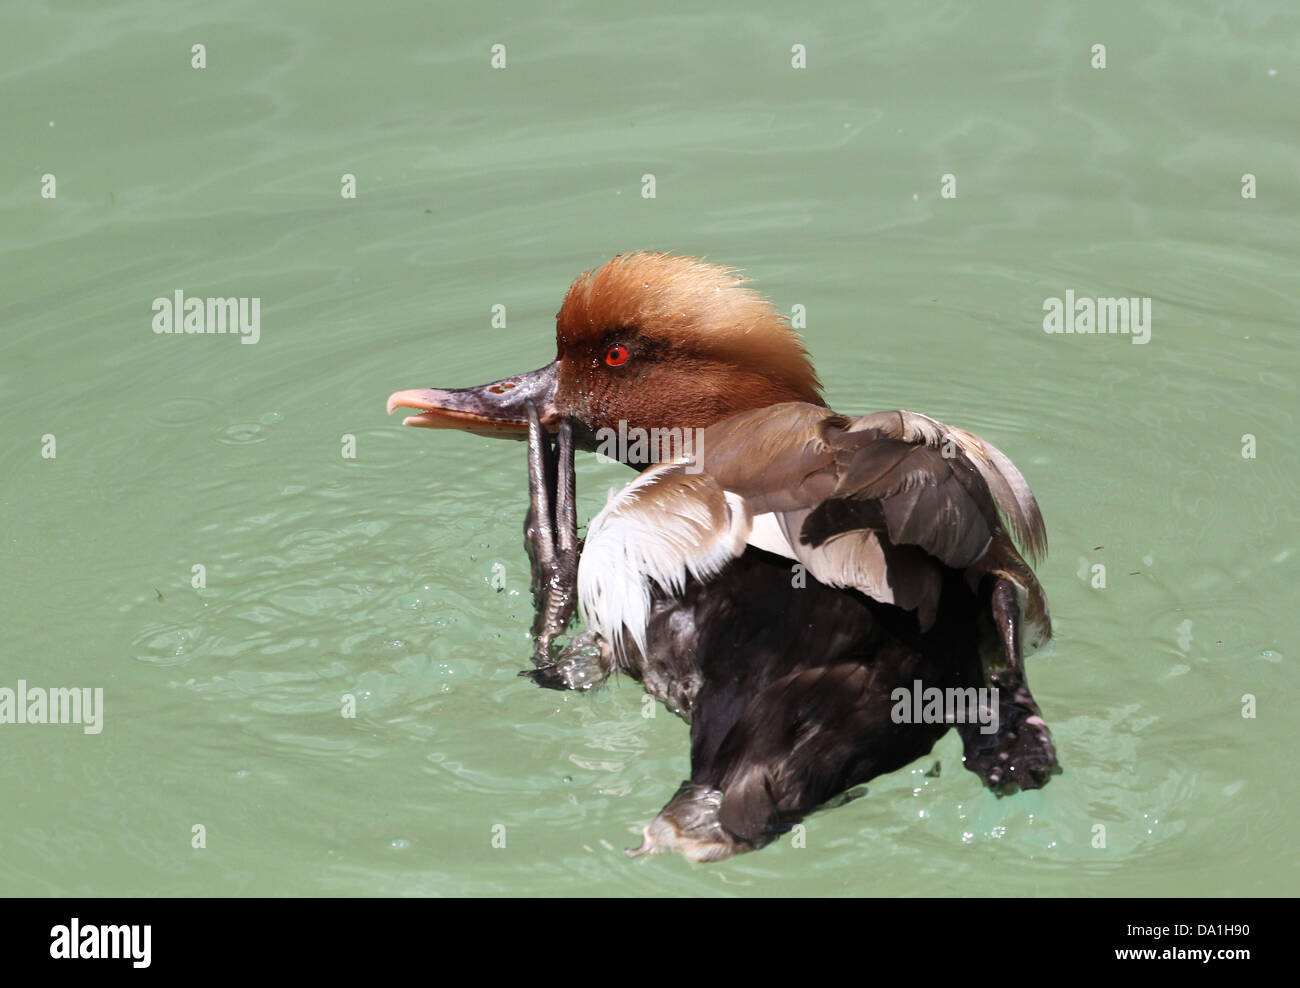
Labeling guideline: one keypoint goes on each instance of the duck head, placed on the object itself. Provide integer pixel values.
(647, 341)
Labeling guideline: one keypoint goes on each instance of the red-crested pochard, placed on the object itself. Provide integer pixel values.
(820, 596)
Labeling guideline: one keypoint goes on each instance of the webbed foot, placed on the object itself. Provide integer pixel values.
(1020, 754)
(585, 663)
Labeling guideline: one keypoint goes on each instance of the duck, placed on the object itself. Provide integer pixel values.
(819, 596)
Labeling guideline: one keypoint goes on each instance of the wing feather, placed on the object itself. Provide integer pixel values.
(877, 503)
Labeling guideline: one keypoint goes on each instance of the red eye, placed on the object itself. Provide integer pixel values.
(616, 356)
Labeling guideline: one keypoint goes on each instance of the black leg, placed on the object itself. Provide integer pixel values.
(1020, 754)
(551, 534)
(1005, 610)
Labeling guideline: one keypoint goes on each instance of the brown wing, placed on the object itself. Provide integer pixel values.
(1010, 493)
(880, 502)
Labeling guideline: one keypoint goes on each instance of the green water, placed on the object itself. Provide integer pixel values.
(477, 187)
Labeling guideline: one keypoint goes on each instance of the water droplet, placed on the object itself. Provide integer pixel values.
(270, 418)
(1270, 655)
(399, 843)
(242, 434)
(568, 778)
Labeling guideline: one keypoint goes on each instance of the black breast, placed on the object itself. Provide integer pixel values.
(775, 677)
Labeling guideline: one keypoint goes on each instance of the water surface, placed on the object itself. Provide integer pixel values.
(372, 576)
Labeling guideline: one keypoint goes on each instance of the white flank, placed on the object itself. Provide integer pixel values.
(767, 533)
(661, 527)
